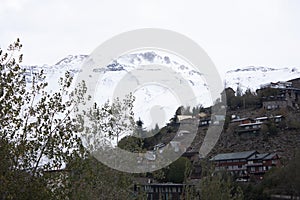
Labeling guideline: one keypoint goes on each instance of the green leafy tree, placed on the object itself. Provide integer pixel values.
(176, 172)
(91, 180)
(36, 129)
(131, 143)
(286, 179)
(105, 124)
(218, 185)
(39, 137)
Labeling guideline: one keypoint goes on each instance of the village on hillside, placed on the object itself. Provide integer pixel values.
(269, 115)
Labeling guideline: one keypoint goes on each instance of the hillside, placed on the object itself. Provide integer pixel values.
(284, 142)
(247, 77)
(149, 95)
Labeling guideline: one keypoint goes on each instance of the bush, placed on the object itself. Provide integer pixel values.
(177, 170)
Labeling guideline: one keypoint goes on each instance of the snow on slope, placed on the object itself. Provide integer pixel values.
(254, 77)
(150, 97)
(154, 97)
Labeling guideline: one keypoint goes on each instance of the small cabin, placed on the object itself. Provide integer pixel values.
(249, 128)
(153, 191)
(239, 121)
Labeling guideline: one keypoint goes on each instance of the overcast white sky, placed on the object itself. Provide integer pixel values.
(234, 33)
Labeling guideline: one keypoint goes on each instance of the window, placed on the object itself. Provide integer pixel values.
(265, 168)
(252, 169)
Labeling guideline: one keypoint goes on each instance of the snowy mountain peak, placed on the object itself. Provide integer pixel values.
(148, 97)
(253, 69)
(71, 62)
(253, 77)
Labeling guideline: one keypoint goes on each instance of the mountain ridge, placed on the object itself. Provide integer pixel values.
(246, 77)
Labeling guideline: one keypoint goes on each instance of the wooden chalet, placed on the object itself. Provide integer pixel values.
(249, 128)
(247, 163)
(239, 121)
(155, 191)
(233, 162)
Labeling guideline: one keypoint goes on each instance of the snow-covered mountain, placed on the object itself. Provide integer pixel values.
(157, 98)
(253, 77)
(156, 102)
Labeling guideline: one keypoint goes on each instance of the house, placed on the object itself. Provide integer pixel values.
(259, 164)
(247, 163)
(254, 126)
(239, 121)
(249, 128)
(255, 164)
(167, 191)
(261, 119)
(271, 160)
(276, 119)
(233, 162)
(272, 104)
(183, 117)
(286, 96)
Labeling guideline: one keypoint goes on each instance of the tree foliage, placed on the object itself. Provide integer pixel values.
(286, 179)
(39, 136)
(103, 125)
(36, 129)
(176, 172)
(218, 185)
(90, 179)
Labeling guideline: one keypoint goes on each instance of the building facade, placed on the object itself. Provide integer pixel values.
(246, 164)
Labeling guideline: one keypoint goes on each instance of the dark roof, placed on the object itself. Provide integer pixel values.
(165, 184)
(270, 156)
(250, 124)
(240, 119)
(233, 156)
(258, 156)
